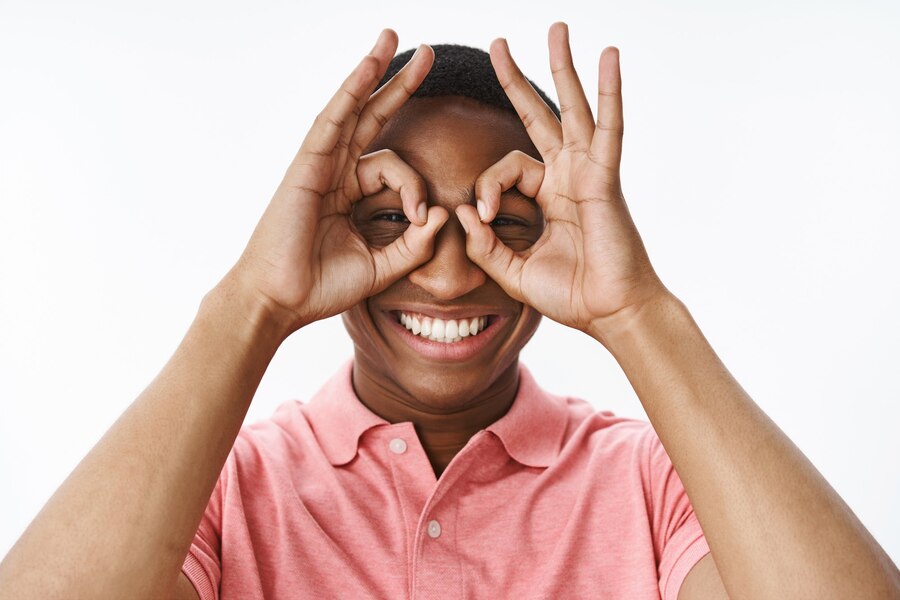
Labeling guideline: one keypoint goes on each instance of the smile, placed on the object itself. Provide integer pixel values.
(442, 338)
(448, 331)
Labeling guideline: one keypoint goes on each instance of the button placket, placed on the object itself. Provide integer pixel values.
(435, 556)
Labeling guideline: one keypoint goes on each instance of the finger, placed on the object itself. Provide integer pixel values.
(606, 145)
(515, 169)
(383, 51)
(305, 172)
(384, 169)
(385, 102)
(493, 256)
(407, 252)
(539, 120)
(327, 127)
(577, 120)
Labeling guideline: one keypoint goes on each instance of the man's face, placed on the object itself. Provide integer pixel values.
(449, 141)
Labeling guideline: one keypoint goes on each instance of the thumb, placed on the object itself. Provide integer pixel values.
(408, 251)
(493, 256)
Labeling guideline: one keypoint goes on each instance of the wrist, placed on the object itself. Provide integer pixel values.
(636, 321)
(249, 318)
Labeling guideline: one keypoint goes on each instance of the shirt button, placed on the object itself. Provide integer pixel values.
(397, 446)
(434, 529)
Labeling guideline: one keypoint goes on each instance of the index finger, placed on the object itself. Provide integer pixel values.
(540, 122)
(343, 107)
(386, 101)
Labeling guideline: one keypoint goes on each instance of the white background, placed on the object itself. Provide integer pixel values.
(139, 146)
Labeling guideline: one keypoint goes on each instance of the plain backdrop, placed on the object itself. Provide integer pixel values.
(140, 143)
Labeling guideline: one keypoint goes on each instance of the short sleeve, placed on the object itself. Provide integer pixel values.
(203, 565)
(678, 540)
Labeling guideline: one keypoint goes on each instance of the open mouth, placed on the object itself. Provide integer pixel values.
(445, 339)
(447, 331)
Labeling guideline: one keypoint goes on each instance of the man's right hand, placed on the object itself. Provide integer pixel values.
(305, 261)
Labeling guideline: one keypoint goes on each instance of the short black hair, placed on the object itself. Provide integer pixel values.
(461, 71)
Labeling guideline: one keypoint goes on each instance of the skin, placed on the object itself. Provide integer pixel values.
(122, 522)
(449, 141)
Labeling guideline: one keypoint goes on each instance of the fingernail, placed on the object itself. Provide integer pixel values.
(417, 52)
(464, 226)
(422, 213)
(482, 210)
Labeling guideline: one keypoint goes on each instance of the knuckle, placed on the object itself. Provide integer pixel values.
(404, 253)
(356, 149)
(528, 119)
(519, 157)
(494, 250)
(565, 66)
(408, 89)
(379, 117)
(337, 123)
(356, 99)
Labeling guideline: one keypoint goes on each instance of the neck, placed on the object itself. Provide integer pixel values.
(443, 430)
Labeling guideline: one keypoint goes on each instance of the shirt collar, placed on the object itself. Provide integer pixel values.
(338, 418)
(531, 430)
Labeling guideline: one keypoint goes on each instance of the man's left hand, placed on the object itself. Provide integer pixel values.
(589, 266)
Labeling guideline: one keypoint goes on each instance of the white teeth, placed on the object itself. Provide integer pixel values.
(452, 330)
(440, 330)
(463, 328)
(437, 329)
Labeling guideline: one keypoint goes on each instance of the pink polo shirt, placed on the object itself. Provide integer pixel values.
(553, 500)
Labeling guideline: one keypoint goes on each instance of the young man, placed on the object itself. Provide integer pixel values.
(433, 466)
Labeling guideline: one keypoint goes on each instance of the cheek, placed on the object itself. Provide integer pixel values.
(529, 322)
(380, 234)
(518, 238)
(359, 325)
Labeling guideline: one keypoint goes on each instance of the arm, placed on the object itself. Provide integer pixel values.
(121, 524)
(775, 527)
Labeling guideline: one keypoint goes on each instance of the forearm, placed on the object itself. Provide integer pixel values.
(122, 522)
(775, 526)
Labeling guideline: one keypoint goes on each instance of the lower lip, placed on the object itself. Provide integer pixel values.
(454, 351)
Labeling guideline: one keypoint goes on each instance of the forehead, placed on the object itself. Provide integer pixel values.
(452, 137)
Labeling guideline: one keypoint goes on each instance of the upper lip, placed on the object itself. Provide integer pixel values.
(447, 312)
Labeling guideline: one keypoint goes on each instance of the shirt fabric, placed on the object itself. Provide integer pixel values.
(553, 500)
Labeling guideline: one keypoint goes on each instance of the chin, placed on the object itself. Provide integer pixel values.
(434, 376)
(447, 389)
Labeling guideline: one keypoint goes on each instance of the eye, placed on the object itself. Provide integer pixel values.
(391, 217)
(504, 221)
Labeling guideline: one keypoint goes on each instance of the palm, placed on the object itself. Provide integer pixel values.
(592, 244)
(342, 270)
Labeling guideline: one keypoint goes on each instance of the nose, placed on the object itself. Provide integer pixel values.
(449, 274)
